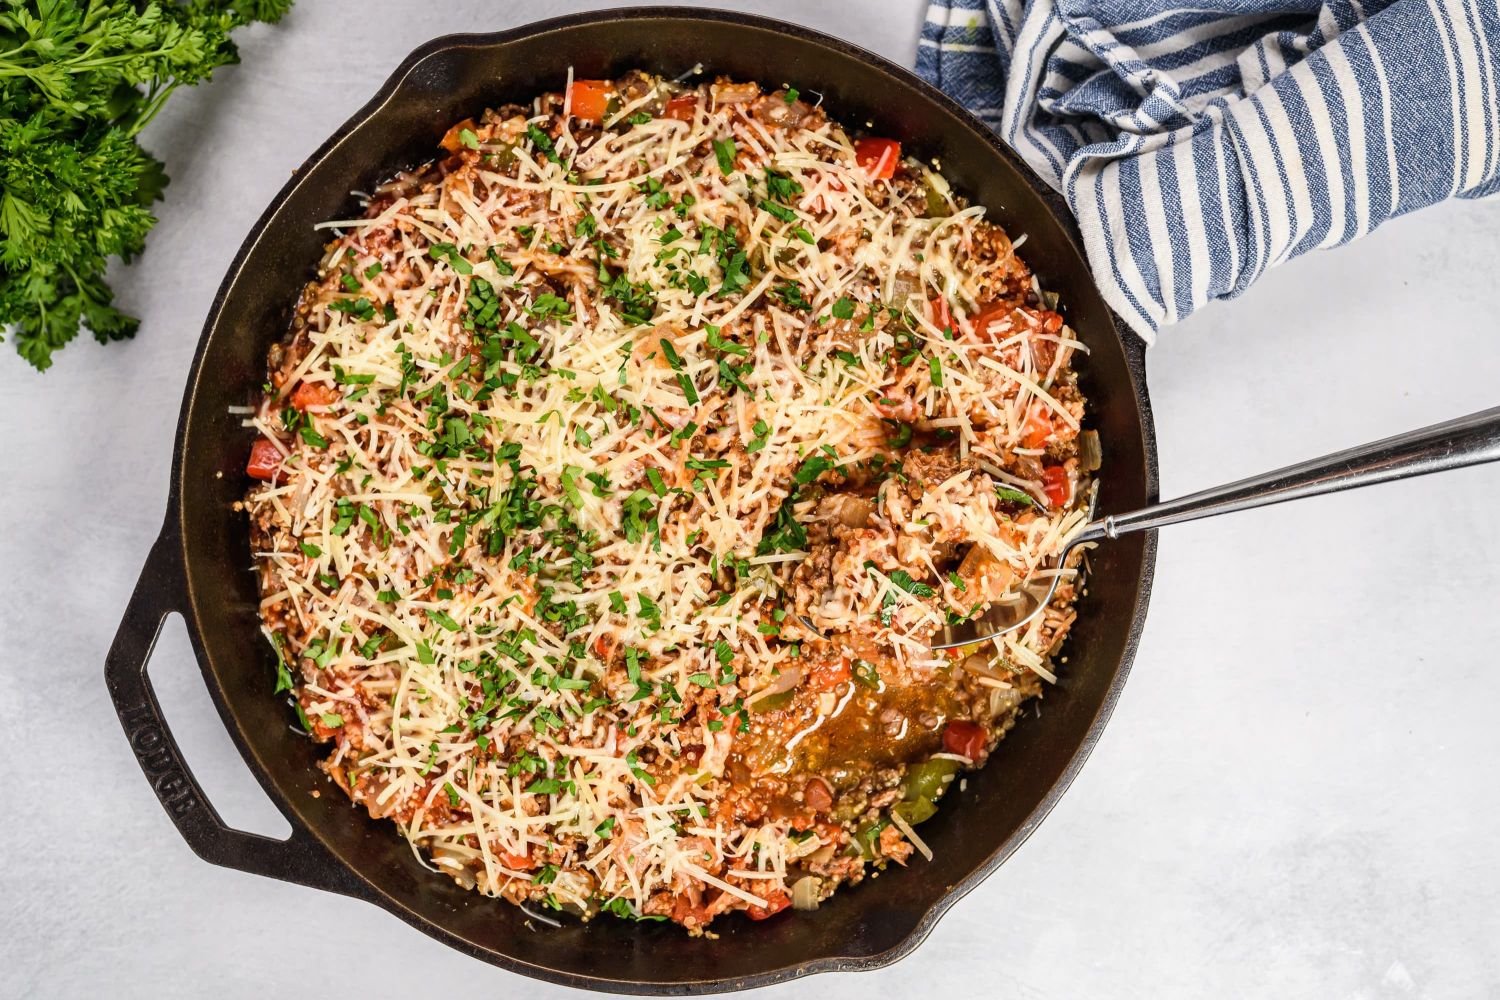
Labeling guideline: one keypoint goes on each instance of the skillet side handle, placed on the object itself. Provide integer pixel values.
(160, 591)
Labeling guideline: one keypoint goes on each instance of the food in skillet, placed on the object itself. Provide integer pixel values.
(578, 423)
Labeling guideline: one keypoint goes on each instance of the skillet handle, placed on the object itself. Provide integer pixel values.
(160, 591)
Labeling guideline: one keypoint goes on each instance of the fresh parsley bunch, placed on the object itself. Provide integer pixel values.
(79, 79)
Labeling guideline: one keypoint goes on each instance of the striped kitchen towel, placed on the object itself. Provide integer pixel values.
(1200, 143)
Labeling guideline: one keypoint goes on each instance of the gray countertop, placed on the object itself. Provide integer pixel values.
(1297, 794)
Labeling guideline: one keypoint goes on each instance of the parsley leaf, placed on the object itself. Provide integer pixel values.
(724, 151)
(1012, 495)
(80, 83)
(790, 294)
(785, 534)
(542, 142)
(450, 253)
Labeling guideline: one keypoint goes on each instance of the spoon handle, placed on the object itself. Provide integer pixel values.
(1453, 444)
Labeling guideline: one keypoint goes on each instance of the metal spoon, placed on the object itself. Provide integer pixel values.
(1470, 440)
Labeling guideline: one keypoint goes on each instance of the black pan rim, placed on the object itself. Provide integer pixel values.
(176, 514)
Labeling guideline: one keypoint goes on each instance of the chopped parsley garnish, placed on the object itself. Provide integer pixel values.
(311, 436)
(283, 669)
(718, 343)
(736, 274)
(503, 267)
(542, 142)
(675, 360)
(790, 294)
(778, 211)
(656, 195)
(781, 187)
(648, 610)
(902, 580)
(450, 253)
(636, 301)
(1012, 495)
(548, 304)
(638, 517)
(762, 435)
(724, 151)
(813, 467)
(360, 308)
(620, 907)
(785, 533)
(632, 761)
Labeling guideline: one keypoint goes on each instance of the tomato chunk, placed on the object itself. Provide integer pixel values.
(589, 99)
(964, 738)
(682, 107)
(604, 647)
(1037, 429)
(265, 460)
(453, 138)
(687, 913)
(1055, 484)
(774, 905)
(942, 316)
(817, 795)
(311, 394)
(878, 157)
(986, 318)
(829, 674)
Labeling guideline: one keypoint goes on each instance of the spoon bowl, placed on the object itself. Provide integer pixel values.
(1453, 444)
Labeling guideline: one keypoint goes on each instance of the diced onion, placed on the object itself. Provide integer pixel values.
(854, 512)
(903, 287)
(805, 893)
(1090, 454)
(979, 664)
(790, 678)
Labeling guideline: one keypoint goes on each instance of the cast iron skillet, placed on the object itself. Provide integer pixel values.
(199, 566)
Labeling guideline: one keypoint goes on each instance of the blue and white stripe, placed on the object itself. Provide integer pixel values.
(1200, 144)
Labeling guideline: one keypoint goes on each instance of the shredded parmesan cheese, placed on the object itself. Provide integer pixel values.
(558, 435)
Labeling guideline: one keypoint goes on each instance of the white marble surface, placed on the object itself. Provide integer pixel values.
(1297, 796)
